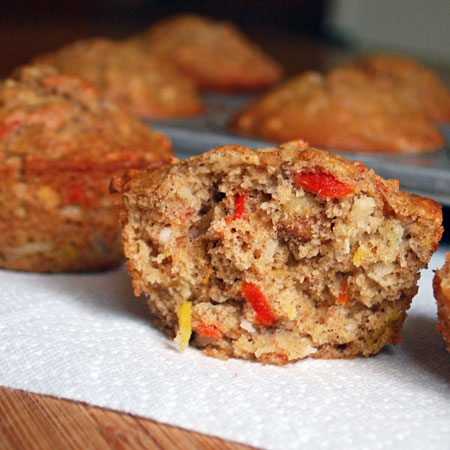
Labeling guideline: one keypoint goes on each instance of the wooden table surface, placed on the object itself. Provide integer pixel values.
(31, 421)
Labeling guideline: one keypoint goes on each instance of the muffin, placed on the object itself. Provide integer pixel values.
(147, 85)
(418, 86)
(441, 286)
(278, 254)
(60, 143)
(215, 55)
(343, 110)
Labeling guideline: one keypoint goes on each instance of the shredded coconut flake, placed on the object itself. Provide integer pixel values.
(164, 235)
(246, 325)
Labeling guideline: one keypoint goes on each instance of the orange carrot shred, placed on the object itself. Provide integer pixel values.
(344, 294)
(252, 293)
(324, 184)
(208, 331)
(239, 207)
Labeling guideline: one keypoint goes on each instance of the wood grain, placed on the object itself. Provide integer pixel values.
(31, 421)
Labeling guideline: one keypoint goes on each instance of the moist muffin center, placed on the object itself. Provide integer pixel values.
(272, 269)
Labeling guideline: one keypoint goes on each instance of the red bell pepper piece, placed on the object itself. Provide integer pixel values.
(239, 207)
(252, 293)
(323, 184)
(344, 294)
(208, 331)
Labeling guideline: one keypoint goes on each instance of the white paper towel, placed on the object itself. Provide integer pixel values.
(84, 337)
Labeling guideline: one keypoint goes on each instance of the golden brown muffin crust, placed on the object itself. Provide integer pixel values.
(419, 87)
(60, 143)
(47, 115)
(343, 110)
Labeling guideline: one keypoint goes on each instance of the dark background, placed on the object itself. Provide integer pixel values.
(283, 27)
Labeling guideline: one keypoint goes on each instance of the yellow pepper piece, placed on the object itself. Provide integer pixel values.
(291, 312)
(357, 257)
(184, 325)
(278, 273)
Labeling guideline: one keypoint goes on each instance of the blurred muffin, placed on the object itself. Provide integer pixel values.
(418, 86)
(342, 110)
(147, 85)
(441, 286)
(278, 254)
(60, 143)
(215, 55)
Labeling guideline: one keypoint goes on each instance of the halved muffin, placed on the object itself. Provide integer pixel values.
(60, 144)
(277, 254)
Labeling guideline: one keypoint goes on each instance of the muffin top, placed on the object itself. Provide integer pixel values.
(419, 87)
(330, 175)
(47, 116)
(343, 110)
(145, 84)
(215, 55)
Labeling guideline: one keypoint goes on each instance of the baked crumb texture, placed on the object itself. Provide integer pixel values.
(146, 85)
(277, 254)
(214, 55)
(60, 143)
(441, 286)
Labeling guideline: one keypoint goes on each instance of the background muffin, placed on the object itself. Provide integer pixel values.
(342, 110)
(276, 254)
(215, 55)
(418, 86)
(60, 143)
(147, 85)
(441, 286)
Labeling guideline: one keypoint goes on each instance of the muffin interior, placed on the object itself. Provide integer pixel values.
(272, 269)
